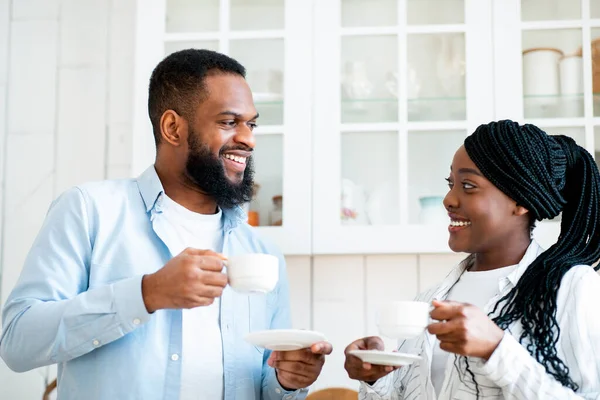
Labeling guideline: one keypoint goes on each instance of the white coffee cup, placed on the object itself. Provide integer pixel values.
(403, 319)
(252, 273)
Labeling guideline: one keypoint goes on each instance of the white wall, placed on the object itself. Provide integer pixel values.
(66, 74)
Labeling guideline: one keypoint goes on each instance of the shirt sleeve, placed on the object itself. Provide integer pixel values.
(279, 304)
(387, 388)
(51, 316)
(521, 376)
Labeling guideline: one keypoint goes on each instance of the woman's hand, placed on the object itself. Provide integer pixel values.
(464, 329)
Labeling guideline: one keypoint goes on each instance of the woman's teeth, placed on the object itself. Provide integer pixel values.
(460, 223)
(241, 160)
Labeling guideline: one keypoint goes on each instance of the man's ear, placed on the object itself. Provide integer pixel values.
(173, 128)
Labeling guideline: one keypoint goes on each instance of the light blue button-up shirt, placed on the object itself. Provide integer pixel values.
(78, 301)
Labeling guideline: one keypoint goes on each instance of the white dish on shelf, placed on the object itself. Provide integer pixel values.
(383, 206)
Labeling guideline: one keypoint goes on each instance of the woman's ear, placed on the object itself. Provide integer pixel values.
(520, 210)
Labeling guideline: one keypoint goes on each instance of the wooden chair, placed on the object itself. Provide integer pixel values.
(334, 394)
(49, 389)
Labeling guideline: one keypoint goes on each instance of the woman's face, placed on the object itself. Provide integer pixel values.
(482, 217)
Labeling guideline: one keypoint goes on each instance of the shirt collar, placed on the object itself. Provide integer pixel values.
(151, 190)
(532, 252)
(150, 187)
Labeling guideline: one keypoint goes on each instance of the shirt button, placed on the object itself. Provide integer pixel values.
(136, 321)
(277, 390)
(175, 357)
(96, 343)
(288, 397)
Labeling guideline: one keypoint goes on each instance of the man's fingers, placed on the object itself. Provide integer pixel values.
(208, 263)
(302, 355)
(201, 301)
(211, 278)
(202, 252)
(292, 380)
(324, 348)
(211, 292)
(294, 368)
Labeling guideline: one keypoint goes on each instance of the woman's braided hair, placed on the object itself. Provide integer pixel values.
(547, 175)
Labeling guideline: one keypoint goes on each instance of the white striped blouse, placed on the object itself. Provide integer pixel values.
(511, 372)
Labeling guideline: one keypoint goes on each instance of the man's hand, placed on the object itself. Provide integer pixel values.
(300, 368)
(191, 279)
(465, 329)
(362, 371)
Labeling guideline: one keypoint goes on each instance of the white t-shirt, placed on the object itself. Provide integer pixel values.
(476, 288)
(202, 353)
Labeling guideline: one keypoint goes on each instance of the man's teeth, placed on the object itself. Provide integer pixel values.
(241, 160)
(460, 223)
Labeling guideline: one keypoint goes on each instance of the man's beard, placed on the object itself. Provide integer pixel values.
(208, 173)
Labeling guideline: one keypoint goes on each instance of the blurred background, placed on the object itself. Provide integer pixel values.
(363, 104)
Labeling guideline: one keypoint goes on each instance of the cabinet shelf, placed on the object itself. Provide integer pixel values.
(401, 239)
(425, 100)
(418, 109)
(557, 106)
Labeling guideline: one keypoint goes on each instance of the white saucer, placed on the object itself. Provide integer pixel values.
(391, 358)
(284, 339)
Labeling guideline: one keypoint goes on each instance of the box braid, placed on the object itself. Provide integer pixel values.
(547, 175)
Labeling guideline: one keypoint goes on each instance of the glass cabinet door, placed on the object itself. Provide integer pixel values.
(391, 108)
(430, 154)
(561, 66)
(269, 38)
(255, 15)
(192, 16)
(435, 77)
(557, 48)
(545, 71)
(550, 10)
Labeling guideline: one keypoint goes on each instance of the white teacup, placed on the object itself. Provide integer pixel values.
(403, 319)
(251, 273)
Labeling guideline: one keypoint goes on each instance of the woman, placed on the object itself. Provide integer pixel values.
(511, 321)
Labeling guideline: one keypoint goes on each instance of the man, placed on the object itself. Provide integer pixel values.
(124, 286)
